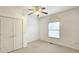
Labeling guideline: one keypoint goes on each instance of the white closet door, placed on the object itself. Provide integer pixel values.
(0, 34)
(18, 34)
(7, 43)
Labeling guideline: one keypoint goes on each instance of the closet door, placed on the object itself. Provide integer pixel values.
(18, 34)
(0, 34)
(7, 43)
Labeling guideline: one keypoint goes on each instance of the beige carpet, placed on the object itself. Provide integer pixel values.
(44, 47)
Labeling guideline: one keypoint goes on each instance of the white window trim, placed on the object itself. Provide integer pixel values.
(59, 30)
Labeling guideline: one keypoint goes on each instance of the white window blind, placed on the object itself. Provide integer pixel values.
(54, 29)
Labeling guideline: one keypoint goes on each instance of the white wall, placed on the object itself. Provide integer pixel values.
(32, 28)
(30, 23)
(14, 12)
(9, 11)
(69, 28)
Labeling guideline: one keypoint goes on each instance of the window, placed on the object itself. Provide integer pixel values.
(54, 29)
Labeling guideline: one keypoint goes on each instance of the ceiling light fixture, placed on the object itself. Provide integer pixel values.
(37, 10)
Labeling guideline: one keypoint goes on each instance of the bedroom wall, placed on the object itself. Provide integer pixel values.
(69, 35)
(32, 28)
(13, 12)
(30, 23)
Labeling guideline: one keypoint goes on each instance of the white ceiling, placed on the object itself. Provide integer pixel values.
(50, 9)
(54, 9)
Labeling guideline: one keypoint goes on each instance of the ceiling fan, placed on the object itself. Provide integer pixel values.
(37, 10)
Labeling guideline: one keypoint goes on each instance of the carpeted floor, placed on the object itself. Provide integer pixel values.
(44, 47)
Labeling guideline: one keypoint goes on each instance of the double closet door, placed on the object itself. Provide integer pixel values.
(11, 34)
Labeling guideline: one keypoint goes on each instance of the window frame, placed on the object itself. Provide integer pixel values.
(59, 30)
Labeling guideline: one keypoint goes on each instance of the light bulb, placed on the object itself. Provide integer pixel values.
(37, 13)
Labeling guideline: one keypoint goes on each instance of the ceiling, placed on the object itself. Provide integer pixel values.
(49, 9)
(54, 9)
